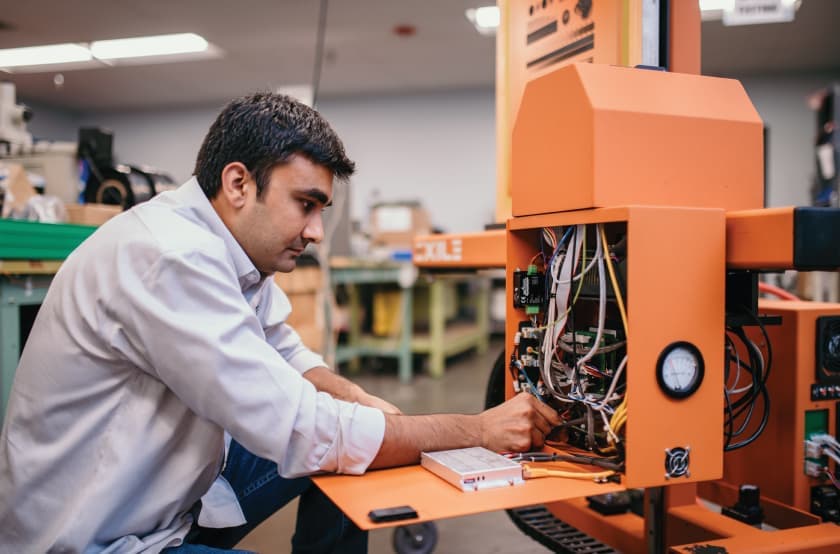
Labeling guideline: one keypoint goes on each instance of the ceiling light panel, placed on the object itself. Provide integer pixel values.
(44, 55)
(161, 45)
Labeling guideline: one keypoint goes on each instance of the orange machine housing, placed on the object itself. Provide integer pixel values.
(675, 292)
(534, 39)
(776, 460)
(591, 136)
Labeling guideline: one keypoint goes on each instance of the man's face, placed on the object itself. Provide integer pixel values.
(275, 228)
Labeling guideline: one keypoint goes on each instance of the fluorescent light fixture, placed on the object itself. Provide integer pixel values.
(44, 55)
(160, 45)
(486, 19)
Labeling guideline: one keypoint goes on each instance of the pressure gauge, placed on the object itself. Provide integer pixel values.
(679, 369)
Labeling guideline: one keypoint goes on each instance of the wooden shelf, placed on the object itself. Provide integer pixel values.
(442, 339)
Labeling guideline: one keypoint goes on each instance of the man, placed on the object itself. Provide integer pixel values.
(164, 330)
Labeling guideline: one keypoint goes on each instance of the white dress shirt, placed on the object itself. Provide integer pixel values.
(157, 335)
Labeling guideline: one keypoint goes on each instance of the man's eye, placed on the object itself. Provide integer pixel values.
(307, 205)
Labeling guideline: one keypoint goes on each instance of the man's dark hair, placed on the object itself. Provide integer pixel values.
(265, 129)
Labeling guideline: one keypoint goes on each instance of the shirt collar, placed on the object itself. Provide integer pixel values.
(192, 196)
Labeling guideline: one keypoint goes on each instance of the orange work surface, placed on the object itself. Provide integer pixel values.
(433, 498)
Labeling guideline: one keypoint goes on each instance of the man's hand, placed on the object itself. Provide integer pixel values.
(517, 425)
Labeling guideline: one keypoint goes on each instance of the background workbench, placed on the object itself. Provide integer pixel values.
(22, 284)
(441, 339)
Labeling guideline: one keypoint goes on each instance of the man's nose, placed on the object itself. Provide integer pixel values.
(314, 230)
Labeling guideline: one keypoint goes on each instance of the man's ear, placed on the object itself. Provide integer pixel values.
(236, 179)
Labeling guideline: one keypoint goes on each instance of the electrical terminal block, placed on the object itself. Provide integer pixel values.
(814, 469)
(813, 449)
(532, 333)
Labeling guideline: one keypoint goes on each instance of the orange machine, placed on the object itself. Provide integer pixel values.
(663, 440)
(634, 226)
(788, 461)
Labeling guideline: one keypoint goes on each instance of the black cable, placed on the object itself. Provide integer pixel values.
(319, 51)
(761, 426)
(745, 405)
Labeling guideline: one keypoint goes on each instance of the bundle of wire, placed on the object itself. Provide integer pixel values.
(565, 271)
(828, 446)
(741, 399)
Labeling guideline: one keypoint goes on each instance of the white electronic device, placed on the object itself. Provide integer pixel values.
(471, 469)
(13, 117)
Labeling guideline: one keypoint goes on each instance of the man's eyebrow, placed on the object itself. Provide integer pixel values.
(317, 194)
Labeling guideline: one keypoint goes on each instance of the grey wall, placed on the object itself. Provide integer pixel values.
(52, 123)
(782, 103)
(438, 148)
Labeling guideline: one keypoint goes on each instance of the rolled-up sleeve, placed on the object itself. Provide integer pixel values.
(185, 321)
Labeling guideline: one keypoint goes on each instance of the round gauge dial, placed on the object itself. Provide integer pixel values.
(679, 369)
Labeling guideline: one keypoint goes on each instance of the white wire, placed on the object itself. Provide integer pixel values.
(602, 302)
(827, 440)
(608, 427)
(614, 384)
(733, 390)
(561, 268)
(831, 454)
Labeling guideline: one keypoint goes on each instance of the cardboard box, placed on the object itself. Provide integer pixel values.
(91, 214)
(312, 336)
(303, 288)
(302, 279)
(396, 224)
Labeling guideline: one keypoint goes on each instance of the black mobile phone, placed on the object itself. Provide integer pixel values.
(392, 514)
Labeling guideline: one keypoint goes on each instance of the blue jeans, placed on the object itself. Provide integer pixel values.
(321, 526)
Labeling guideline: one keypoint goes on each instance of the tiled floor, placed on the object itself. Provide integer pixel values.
(460, 390)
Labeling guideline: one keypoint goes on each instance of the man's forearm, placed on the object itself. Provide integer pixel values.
(328, 381)
(407, 436)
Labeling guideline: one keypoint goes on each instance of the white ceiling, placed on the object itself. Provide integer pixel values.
(269, 44)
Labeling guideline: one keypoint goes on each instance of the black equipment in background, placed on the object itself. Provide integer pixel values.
(116, 184)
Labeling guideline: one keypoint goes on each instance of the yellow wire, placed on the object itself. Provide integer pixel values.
(617, 290)
(619, 417)
(530, 472)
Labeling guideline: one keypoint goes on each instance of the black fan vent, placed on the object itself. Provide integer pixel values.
(828, 349)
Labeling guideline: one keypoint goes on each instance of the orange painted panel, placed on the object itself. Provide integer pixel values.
(676, 292)
(594, 36)
(667, 139)
(760, 239)
(469, 250)
(684, 51)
